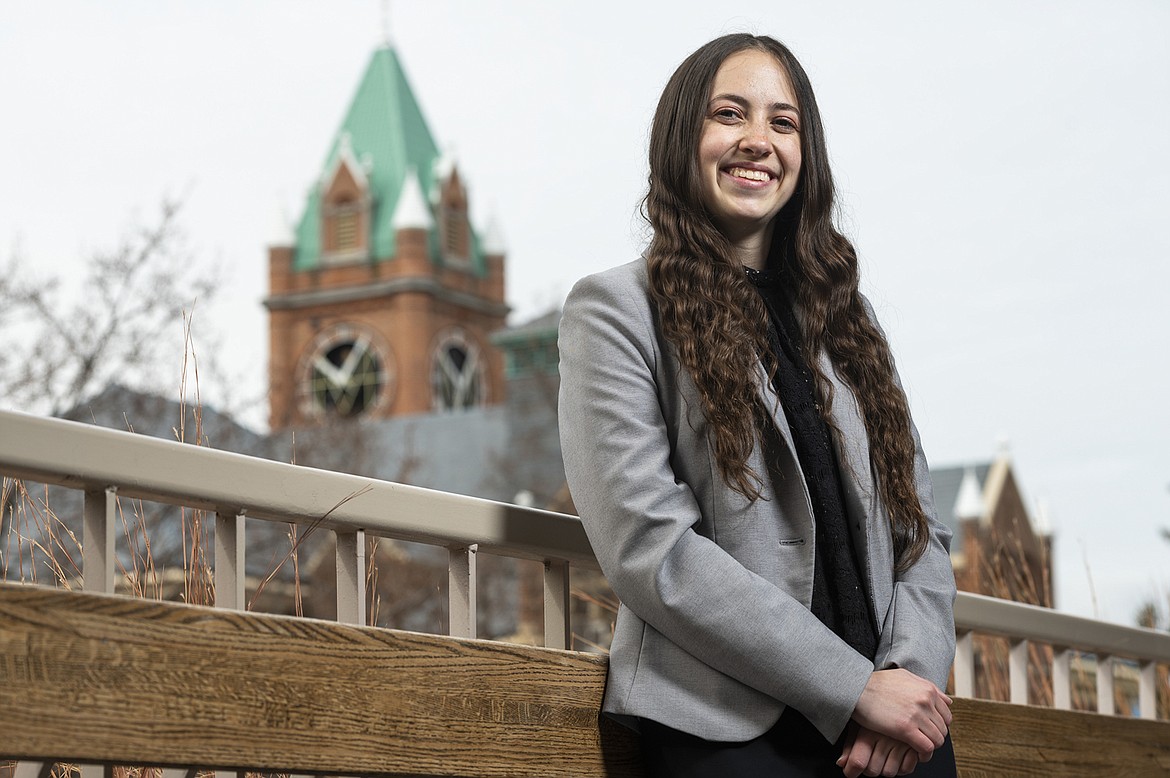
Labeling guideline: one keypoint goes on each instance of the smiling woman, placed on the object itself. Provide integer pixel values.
(741, 454)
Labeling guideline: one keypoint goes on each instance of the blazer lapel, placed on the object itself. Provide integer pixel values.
(772, 403)
(868, 522)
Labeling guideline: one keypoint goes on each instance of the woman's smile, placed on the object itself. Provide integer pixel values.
(749, 174)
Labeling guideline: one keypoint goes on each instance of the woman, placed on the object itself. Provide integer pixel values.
(742, 456)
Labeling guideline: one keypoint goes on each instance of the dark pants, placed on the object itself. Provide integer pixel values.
(791, 748)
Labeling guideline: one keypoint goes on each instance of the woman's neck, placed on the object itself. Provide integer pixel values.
(752, 250)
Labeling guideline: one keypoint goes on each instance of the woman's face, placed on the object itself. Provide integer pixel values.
(749, 147)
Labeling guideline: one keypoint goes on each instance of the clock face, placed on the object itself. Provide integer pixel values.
(345, 375)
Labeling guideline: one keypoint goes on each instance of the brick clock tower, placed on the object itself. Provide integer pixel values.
(384, 303)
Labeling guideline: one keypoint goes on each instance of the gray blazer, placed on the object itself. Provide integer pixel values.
(715, 636)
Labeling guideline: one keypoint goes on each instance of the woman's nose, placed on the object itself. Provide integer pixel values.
(754, 141)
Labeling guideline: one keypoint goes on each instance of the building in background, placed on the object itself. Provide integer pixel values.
(1000, 550)
(998, 547)
(383, 303)
(389, 350)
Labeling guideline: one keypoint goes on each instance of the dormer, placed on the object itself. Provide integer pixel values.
(345, 209)
(454, 225)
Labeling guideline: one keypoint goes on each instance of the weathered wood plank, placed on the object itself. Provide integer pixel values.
(102, 678)
(995, 739)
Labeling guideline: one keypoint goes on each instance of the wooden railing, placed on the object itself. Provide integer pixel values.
(105, 464)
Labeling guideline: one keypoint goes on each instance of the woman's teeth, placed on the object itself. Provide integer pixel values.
(752, 175)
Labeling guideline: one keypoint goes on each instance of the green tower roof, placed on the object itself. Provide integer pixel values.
(388, 135)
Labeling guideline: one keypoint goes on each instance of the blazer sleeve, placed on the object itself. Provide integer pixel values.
(640, 520)
(919, 634)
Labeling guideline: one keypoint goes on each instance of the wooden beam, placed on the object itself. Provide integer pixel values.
(994, 739)
(110, 679)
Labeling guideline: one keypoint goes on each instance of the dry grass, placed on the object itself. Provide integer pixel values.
(62, 770)
(38, 545)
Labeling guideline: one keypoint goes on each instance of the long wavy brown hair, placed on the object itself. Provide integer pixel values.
(717, 321)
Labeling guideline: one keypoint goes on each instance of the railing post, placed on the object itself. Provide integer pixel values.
(461, 591)
(557, 633)
(351, 576)
(25, 769)
(1018, 672)
(965, 664)
(1061, 678)
(229, 561)
(97, 540)
(1148, 690)
(1105, 684)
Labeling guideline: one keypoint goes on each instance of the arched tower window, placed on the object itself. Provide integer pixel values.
(456, 374)
(345, 211)
(454, 227)
(346, 233)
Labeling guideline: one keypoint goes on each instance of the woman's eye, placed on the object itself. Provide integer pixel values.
(729, 114)
(784, 124)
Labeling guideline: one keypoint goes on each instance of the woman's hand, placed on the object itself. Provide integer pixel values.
(905, 707)
(871, 753)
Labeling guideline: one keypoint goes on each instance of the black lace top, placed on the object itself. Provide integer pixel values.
(839, 598)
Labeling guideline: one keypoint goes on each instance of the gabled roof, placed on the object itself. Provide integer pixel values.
(543, 327)
(387, 132)
(947, 486)
(118, 407)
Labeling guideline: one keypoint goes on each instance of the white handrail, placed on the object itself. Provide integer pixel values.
(1017, 620)
(87, 457)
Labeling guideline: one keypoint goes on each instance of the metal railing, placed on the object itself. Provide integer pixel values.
(1068, 636)
(105, 464)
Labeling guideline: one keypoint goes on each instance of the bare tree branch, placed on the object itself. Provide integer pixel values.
(57, 352)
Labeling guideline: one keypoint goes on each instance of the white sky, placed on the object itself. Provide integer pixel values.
(1002, 166)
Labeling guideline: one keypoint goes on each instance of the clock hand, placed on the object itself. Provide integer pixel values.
(332, 375)
(356, 352)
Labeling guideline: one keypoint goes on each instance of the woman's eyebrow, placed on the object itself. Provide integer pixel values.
(744, 103)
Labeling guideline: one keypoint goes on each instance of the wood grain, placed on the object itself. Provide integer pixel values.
(108, 679)
(104, 678)
(995, 739)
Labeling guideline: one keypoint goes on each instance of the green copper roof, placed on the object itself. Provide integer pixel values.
(388, 135)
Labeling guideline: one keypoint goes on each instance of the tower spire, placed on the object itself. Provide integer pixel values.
(386, 41)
